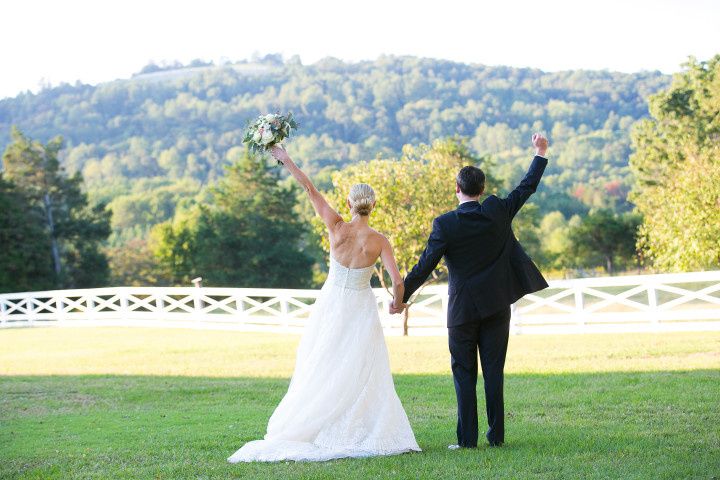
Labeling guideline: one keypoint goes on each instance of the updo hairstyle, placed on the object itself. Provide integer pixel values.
(361, 198)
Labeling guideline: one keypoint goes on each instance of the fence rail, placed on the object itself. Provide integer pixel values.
(669, 302)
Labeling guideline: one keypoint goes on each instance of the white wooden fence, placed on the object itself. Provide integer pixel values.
(671, 302)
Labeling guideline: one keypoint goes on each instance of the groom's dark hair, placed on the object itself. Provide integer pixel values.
(471, 181)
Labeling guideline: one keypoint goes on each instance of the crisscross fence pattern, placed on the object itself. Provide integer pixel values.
(668, 302)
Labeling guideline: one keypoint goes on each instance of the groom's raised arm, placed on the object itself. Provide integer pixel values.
(434, 251)
(517, 198)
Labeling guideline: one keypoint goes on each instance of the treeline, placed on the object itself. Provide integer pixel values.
(147, 143)
(255, 229)
(156, 149)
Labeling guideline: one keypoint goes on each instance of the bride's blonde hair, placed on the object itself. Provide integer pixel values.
(361, 198)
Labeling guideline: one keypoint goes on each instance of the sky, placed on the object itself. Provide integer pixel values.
(49, 42)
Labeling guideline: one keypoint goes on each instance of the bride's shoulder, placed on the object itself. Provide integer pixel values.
(379, 238)
(337, 228)
(376, 234)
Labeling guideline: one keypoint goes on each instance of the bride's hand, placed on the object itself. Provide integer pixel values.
(396, 308)
(279, 154)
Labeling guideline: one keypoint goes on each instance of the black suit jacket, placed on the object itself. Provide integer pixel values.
(489, 270)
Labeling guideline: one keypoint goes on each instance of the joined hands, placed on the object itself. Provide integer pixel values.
(397, 309)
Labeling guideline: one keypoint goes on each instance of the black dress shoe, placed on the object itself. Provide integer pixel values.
(493, 443)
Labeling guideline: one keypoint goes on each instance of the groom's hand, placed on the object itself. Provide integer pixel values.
(540, 143)
(396, 309)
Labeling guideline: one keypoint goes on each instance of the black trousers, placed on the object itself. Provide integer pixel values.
(489, 337)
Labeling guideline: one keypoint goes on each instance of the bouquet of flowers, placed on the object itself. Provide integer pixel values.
(269, 130)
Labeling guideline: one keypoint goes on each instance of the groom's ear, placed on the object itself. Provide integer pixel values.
(457, 188)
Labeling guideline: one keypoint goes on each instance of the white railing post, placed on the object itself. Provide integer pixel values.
(197, 304)
(240, 308)
(3, 310)
(90, 308)
(580, 306)
(60, 309)
(652, 303)
(284, 311)
(197, 300)
(30, 309)
(515, 319)
(123, 294)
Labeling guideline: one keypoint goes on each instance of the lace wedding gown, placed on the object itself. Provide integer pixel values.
(341, 401)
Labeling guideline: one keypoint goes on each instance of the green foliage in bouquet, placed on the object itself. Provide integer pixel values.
(269, 130)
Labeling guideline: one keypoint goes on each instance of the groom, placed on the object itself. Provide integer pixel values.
(488, 272)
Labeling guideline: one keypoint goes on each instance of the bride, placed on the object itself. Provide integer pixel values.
(341, 401)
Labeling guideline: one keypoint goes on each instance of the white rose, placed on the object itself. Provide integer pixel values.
(269, 117)
(257, 136)
(267, 136)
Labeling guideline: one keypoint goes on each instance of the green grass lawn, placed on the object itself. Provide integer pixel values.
(153, 403)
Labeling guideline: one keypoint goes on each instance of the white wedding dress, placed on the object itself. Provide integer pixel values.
(341, 401)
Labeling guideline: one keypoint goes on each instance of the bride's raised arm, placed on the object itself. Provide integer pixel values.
(388, 259)
(323, 209)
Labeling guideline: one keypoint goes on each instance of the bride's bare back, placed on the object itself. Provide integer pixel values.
(352, 244)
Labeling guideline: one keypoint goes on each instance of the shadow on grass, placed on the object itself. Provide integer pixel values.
(594, 425)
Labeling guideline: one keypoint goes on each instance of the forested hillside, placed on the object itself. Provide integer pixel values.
(151, 143)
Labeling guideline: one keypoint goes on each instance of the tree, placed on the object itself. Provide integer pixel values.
(35, 169)
(134, 264)
(677, 167)
(24, 263)
(604, 239)
(75, 228)
(556, 245)
(173, 243)
(410, 192)
(247, 235)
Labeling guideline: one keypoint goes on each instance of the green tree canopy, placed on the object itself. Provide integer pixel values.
(25, 263)
(604, 239)
(74, 228)
(410, 192)
(247, 235)
(677, 166)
